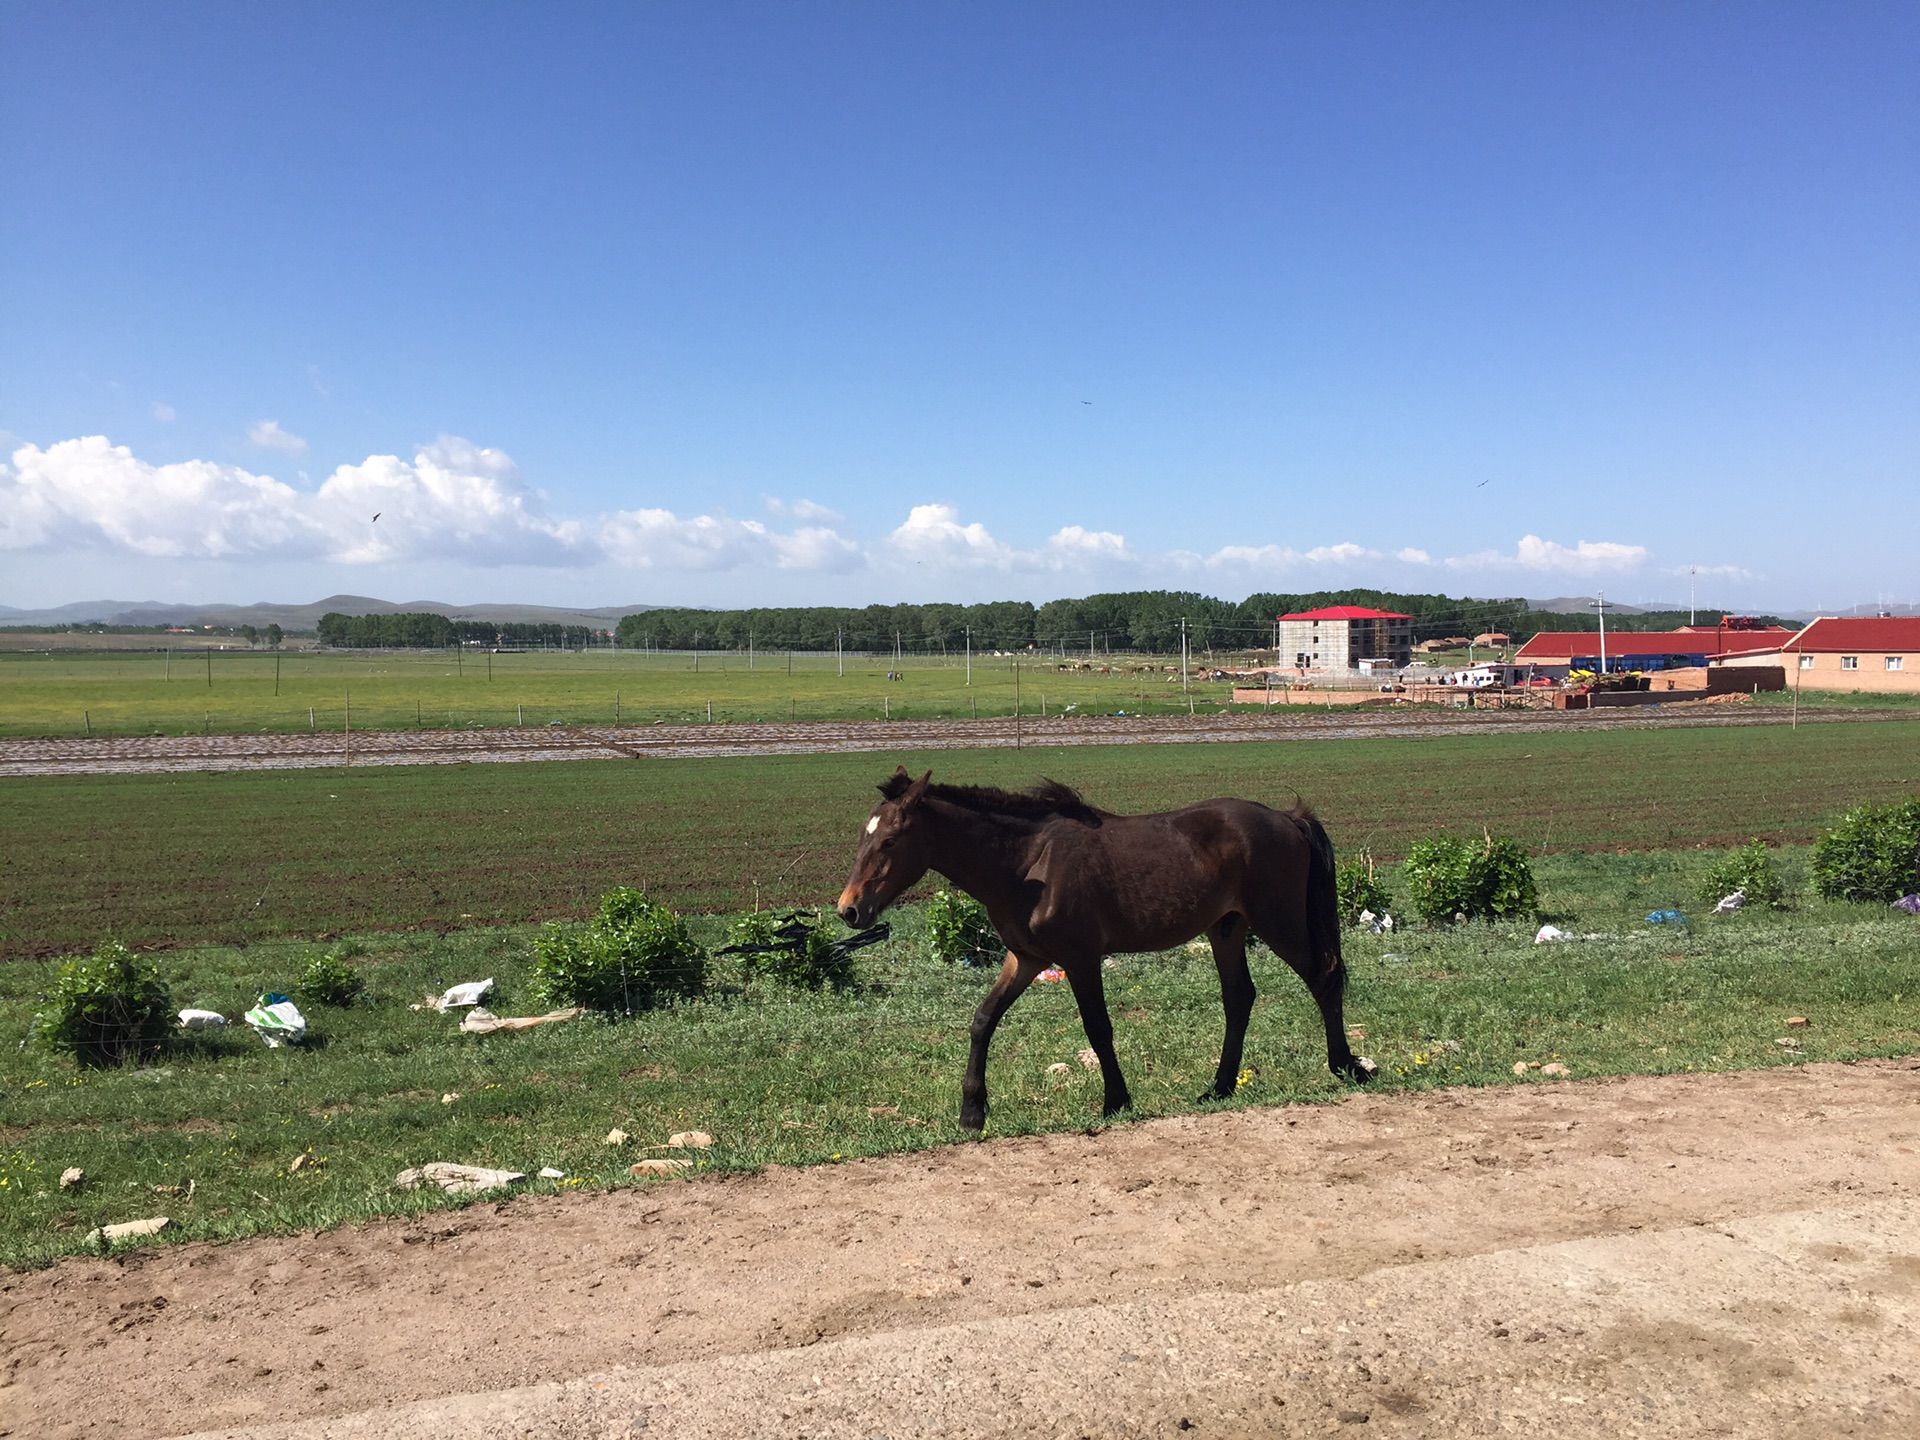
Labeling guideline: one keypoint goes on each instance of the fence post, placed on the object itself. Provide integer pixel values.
(88, 717)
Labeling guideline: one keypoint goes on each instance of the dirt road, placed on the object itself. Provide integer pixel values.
(1727, 1255)
(159, 754)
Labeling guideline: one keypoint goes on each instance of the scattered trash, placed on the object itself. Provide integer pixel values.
(1395, 958)
(1557, 1070)
(659, 1165)
(1730, 903)
(449, 1097)
(1376, 924)
(1365, 1064)
(185, 1191)
(1665, 917)
(1789, 1044)
(1052, 975)
(129, 1230)
(1798, 1022)
(201, 1020)
(1908, 903)
(481, 1021)
(689, 1140)
(278, 1021)
(457, 1179)
(547, 1172)
(72, 1178)
(1088, 1060)
(1519, 1067)
(1059, 1067)
(458, 996)
(300, 1162)
(617, 1136)
(1547, 934)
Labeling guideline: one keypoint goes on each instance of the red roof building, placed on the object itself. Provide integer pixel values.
(1878, 653)
(1551, 646)
(1345, 638)
(1346, 612)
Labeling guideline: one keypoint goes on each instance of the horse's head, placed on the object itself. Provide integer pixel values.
(893, 850)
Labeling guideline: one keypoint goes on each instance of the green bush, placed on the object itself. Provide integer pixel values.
(330, 980)
(1449, 879)
(797, 949)
(1358, 886)
(634, 955)
(960, 932)
(1873, 853)
(108, 1008)
(1749, 868)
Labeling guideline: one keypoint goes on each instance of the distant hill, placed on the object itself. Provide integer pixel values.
(305, 617)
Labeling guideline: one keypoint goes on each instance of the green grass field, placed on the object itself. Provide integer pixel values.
(791, 1077)
(63, 693)
(168, 859)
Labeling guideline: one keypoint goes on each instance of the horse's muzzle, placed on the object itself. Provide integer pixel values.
(851, 910)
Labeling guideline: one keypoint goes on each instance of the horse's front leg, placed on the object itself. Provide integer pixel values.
(1016, 974)
(1090, 991)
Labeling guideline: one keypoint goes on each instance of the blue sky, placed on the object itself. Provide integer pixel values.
(731, 304)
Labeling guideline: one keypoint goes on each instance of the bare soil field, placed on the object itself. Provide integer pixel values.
(1731, 1254)
(160, 754)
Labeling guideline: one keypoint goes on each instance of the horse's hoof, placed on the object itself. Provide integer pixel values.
(974, 1120)
(1359, 1070)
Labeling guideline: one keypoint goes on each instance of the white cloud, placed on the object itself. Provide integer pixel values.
(163, 412)
(1345, 553)
(1280, 557)
(268, 435)
(1413, 555)
(1074, 545)
(934, 532)
(1587, 557)
(87, 492)
(1718, 572)
(453, 500)
(802, 510)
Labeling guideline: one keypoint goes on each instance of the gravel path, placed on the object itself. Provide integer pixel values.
(159, 754)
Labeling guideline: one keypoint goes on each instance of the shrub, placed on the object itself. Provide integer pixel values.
(1449, 878)
(1358, 886)
(1873, 853)
(330, 980)
(634, 955)
(800, 948)
(961, 934)
(1749, 868)
(108, 1008)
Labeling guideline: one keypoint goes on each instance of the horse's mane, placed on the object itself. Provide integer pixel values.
(1043, 801)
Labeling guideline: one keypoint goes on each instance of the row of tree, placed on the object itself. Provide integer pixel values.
(422, 629)
(1138, 620)
(1135, 620)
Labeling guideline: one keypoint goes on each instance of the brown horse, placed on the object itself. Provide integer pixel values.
(1066, 885)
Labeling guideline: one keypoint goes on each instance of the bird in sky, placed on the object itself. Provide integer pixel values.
(376, 515)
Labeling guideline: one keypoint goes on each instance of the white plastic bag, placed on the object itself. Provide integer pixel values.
(201, 1020)
(471, 993)
(278, 1021)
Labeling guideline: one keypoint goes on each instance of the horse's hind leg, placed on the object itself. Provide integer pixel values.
(1016, 974)
(1090, 991)
(1328, 986)
(1229, 938)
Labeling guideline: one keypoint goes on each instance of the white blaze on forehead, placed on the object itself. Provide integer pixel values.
(873, 824)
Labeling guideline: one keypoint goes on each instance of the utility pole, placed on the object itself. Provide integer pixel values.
(896, 652)
(1183, 654)
(1601, 605)
(969, 656)
(840, 649)
(749, 649)
(1692, 570)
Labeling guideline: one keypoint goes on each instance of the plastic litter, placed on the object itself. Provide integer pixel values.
(1547, 934)
(471, 993)
(1376, 924)
(481, 1021)
(1665, 917)
(130, 1230)
(201, 1020)
(1730, 903)
(457, 1179)
(1908, 903)
(547, 1172)
(278, 1021)
(1052, 975)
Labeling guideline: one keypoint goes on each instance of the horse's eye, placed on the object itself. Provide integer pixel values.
(887, 844)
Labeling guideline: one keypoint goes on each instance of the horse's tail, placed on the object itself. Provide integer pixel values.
(1323, 896)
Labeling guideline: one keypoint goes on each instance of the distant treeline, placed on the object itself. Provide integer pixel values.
(419, 629)
(1139, 620)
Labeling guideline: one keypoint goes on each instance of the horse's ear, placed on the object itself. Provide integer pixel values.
(917, 791)
(896, 784)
